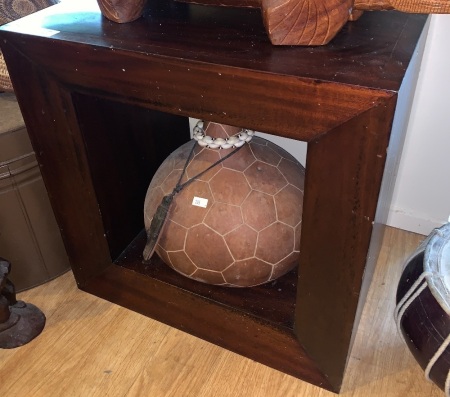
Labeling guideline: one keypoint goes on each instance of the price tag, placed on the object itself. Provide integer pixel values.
(200, 202)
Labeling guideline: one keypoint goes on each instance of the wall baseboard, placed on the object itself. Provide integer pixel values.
(412, 221)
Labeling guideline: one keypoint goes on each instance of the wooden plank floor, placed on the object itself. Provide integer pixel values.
(94, 348)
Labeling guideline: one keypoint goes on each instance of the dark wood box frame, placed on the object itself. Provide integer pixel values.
(105, 104)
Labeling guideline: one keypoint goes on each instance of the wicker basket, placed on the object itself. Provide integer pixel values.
(5, 81)
(10, 10)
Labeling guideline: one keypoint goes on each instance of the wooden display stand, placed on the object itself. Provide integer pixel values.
(105, 103)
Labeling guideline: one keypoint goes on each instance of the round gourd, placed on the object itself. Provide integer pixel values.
(238, 224)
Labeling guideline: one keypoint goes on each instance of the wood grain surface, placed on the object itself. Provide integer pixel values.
(292, 22)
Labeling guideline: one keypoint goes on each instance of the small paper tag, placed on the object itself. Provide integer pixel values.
(200, 202)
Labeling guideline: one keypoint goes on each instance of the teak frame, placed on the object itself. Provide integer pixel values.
(105, 103)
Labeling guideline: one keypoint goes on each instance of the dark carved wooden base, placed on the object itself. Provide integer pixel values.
(20, 322)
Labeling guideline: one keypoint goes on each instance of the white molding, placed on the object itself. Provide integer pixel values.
(412, 221)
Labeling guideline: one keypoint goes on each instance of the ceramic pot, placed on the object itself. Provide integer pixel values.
(423, 306)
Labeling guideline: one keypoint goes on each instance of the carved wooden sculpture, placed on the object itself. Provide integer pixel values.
(292, 22)
(20, 322)
(122, 10)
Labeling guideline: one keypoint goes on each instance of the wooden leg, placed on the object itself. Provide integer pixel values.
(343, 178)
(304, 22)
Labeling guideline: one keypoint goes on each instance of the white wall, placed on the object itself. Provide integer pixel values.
(422, 190)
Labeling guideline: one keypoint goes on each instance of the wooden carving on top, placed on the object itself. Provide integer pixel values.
(122, 10)
(292, 22)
